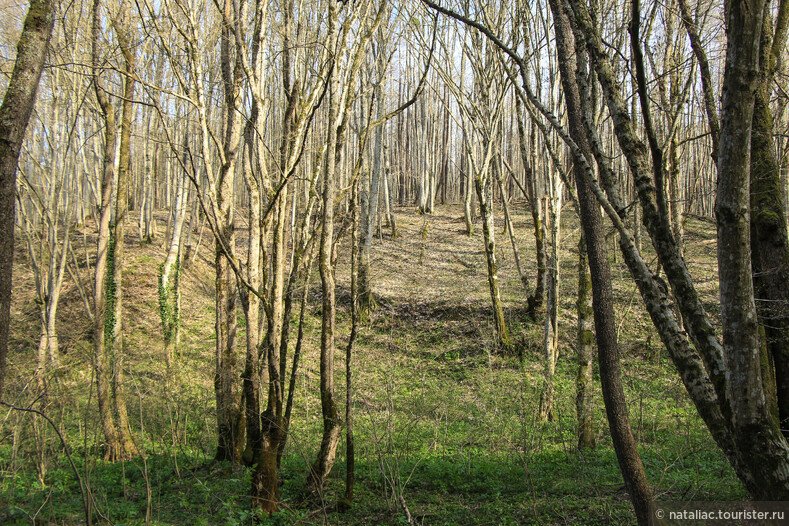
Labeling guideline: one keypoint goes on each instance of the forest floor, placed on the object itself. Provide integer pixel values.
(445, 425)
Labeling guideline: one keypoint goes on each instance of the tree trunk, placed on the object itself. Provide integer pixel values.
(103, 287)
(18, 102)
(584, 352)
(331, 418)
(536, 299)
(389, 199)
(511, 232)
(758, 439)
(551, 333)
(607, 346)
(485, 197)
(169, 276)
(114, 312)
(370, 211)
(350, 453)
(769, 241)
(230, 434)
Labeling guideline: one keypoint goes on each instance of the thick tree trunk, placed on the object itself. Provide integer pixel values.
(769, 241)
(756, 434)
(18, 102)
(229, 437)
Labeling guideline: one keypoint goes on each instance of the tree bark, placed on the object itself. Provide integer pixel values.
(584, 352)
(756, 434)
(114, 313)
(18, 102)
(769, 241)
(331, 417)
(607, 346)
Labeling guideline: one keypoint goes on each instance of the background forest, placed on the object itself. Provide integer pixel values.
(372, 262)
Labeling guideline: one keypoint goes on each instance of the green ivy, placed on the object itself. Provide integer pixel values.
(168, 302)
(111, 292)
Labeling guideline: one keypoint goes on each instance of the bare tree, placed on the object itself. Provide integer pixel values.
(15, 111)
(112, 409)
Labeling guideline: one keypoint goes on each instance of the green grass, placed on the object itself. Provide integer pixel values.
(442, 419)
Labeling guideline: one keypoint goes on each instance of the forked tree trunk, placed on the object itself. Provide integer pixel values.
(331, 417)
(759, 441)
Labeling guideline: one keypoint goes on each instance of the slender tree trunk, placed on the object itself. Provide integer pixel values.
(331, 417)
(511, 232)
(370, 211)
(230, 421)
(585, 351)
(389, 199)
(536, 299)
(485, 196)
(551, 333)
(607, 346)
(101, 289)
(350, 446)
(468, 213)
(115, 339)
(169, 276)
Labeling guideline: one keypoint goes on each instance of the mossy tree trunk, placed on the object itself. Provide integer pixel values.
(537, 297)
(584, 352)
(114, 315)
(769, 241)
(117, 442)
(485, 198)
(551, 333)
(17, 106)
(170, 273)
